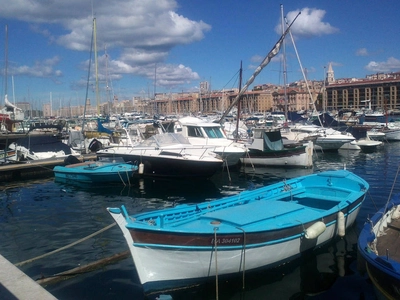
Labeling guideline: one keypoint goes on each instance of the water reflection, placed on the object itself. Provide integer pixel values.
(40, 216)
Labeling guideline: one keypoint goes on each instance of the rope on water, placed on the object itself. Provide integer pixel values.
(83, 269)
(65, 247)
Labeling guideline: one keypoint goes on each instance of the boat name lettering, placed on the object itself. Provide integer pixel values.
(226, 241)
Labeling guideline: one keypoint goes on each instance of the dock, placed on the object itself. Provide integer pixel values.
(14, 284)
(34, 168)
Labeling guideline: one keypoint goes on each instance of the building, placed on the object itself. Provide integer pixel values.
(376, 92)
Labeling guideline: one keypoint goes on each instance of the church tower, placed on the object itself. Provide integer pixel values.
(330, 76)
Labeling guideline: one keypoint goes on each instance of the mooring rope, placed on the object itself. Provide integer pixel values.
(66, 247)
(244, 256)
(251, 161)
(216, 262)
(120, 177)
(225, 163)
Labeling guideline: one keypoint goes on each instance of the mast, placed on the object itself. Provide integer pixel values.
(238, 105)
(302, 71)
(155, 87)
(6, 65)
(13, 88)
(108, 88)
(284, 67)
(88, 78)
(274, 51)
(96, 67)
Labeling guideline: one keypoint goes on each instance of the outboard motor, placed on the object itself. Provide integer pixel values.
(95, 145)
(70, 160)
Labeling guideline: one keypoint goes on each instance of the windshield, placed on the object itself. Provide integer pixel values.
(214, 132)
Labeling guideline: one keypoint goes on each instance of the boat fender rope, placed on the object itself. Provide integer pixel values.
(216, 262)
(244, 256)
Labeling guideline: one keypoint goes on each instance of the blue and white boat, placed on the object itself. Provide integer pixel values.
(266, 227)
(104, 170)
(379, 246)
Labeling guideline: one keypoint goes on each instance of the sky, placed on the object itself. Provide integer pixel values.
(170, 46)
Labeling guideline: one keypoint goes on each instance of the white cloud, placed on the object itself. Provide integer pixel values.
(172, 76)
(43, 68)
(362, 52)
(308, 24)
(392, 64)
(142, 31)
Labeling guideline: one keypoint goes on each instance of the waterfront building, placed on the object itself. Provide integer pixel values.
(381, 94)
(377, 91)
(297, 99)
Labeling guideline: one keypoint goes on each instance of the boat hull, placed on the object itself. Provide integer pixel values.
(295, 157)
(170, 167)
(331, 143)
(194, 243)
(230, 157)
(167, 268)
(93, 173)
(392, 134)
(380, 257)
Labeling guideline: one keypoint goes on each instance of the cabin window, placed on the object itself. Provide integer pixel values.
(214, 132)
(194, 132)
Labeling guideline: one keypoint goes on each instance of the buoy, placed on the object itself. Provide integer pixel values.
(141, 168)
(341, 224)
(315, 230)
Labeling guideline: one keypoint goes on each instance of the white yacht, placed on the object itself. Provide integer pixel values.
(325, 139)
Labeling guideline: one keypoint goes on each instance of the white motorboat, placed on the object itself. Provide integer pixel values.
(169, 155)
(392, 132)
(37, 146)
(364, 143)
(376, 135)
(203, 133)
(325, 139)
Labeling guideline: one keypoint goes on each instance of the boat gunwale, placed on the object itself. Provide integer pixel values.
(368, 235)
(140, 234)
(224, 203)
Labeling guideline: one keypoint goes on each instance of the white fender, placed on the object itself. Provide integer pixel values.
(141, 168)
(315, 230)
(341, 221)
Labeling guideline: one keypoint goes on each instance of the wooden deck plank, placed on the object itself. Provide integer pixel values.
(390, 242)
(34, 168)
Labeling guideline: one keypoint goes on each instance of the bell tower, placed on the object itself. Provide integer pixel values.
(330, 75)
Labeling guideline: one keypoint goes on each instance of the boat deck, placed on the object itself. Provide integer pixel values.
(390, 242)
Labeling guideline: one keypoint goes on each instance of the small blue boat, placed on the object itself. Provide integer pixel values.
(262, 228)
(379, 246)
(104, 170)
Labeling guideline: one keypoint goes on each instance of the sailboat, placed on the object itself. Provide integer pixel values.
(325, 139)
(9, 114)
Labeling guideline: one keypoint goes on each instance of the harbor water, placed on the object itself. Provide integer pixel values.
(41, 216)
